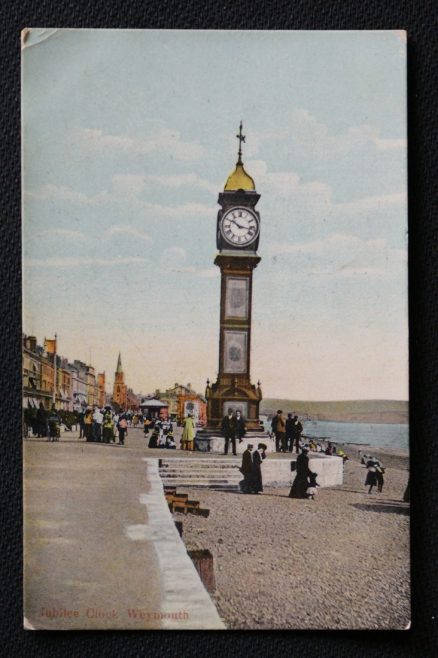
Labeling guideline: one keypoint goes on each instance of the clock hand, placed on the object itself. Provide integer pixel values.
(238, 225)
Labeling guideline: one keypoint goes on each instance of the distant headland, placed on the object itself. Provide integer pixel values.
(347, 411)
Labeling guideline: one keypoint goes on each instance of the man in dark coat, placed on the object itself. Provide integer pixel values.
(241, 427)
(246, 470)
(289, 433)
(42, 418)
(297, 430)
(301, 482)
(229, 431)
(257, 458)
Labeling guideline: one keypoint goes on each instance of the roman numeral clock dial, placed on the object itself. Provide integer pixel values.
(239, 227)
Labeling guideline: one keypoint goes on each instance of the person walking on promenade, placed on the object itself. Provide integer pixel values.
(107, 427)
(279, 428)
(41, 423)
(97, 425)
(257, 458)
(229, 431)
(146, 425)
(371, 479)
(301, 482)
(246, 470)
(289, 433)
(81, 424)
(53, 426)
(188, 435)
(123, 430)
(88, 424)
(297, 431)
(153, 441)
(379, 475)
(241, 427)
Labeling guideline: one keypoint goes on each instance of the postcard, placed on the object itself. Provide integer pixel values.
(215, 329)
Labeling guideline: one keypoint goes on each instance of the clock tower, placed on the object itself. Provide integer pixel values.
(237, 239)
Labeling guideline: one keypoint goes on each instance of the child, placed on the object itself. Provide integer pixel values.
(311, 489)
(153, 441)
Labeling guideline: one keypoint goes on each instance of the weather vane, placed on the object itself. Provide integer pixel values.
(241, 139)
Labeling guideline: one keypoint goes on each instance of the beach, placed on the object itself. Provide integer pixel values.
(340, 561)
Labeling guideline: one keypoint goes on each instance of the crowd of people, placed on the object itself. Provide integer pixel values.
(104, 425)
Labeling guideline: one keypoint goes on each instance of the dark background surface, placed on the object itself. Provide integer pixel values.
(419, 18)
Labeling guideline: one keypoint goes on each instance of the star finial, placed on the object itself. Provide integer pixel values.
(241, 139)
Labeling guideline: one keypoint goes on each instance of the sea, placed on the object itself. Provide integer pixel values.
(382, 435)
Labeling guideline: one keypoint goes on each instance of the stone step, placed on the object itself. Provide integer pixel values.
(204, 462)
(200, 475)
(212, 483)
(207, 485)
(209, 472)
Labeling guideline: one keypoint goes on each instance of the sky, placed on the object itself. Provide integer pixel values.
(129, 136)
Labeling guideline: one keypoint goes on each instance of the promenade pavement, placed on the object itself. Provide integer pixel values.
(81, 568)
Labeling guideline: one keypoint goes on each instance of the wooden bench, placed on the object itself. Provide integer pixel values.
(181, 503)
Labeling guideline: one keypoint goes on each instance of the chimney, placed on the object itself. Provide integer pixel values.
(189, 386)
(31, 343)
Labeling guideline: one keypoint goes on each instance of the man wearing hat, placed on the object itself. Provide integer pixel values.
(229, 430)
(279, 428)
(246, 470)
(258, 456)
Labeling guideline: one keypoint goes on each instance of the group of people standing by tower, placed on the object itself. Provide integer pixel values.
(233, 428)
(287, 432)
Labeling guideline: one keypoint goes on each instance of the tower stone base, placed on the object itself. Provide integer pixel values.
(212, 441)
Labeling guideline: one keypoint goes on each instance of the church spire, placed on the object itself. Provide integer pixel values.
(119, 365)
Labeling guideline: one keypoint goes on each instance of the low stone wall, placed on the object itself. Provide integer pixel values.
(278, 473)
(182, 588)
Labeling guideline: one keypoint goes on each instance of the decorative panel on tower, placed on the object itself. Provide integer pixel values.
(237, 298)
(235, 346)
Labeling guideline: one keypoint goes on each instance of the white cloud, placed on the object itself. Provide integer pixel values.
(82, 261)
(203, 273)
(208, 273)
(121, 229)
(134, 184)
(128, 184)
(66, 234)
(61, 192)
(343, 255)
(306, 130)
(161, 139)
(373, 202)
(183, 180)
(174, 255)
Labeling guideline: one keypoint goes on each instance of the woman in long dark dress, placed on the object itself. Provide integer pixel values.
(371, 479)
(257, 458)
(301, 482)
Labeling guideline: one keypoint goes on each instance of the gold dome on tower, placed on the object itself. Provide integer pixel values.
(239, 179)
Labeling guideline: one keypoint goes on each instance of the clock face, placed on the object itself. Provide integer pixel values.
(239, 226)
